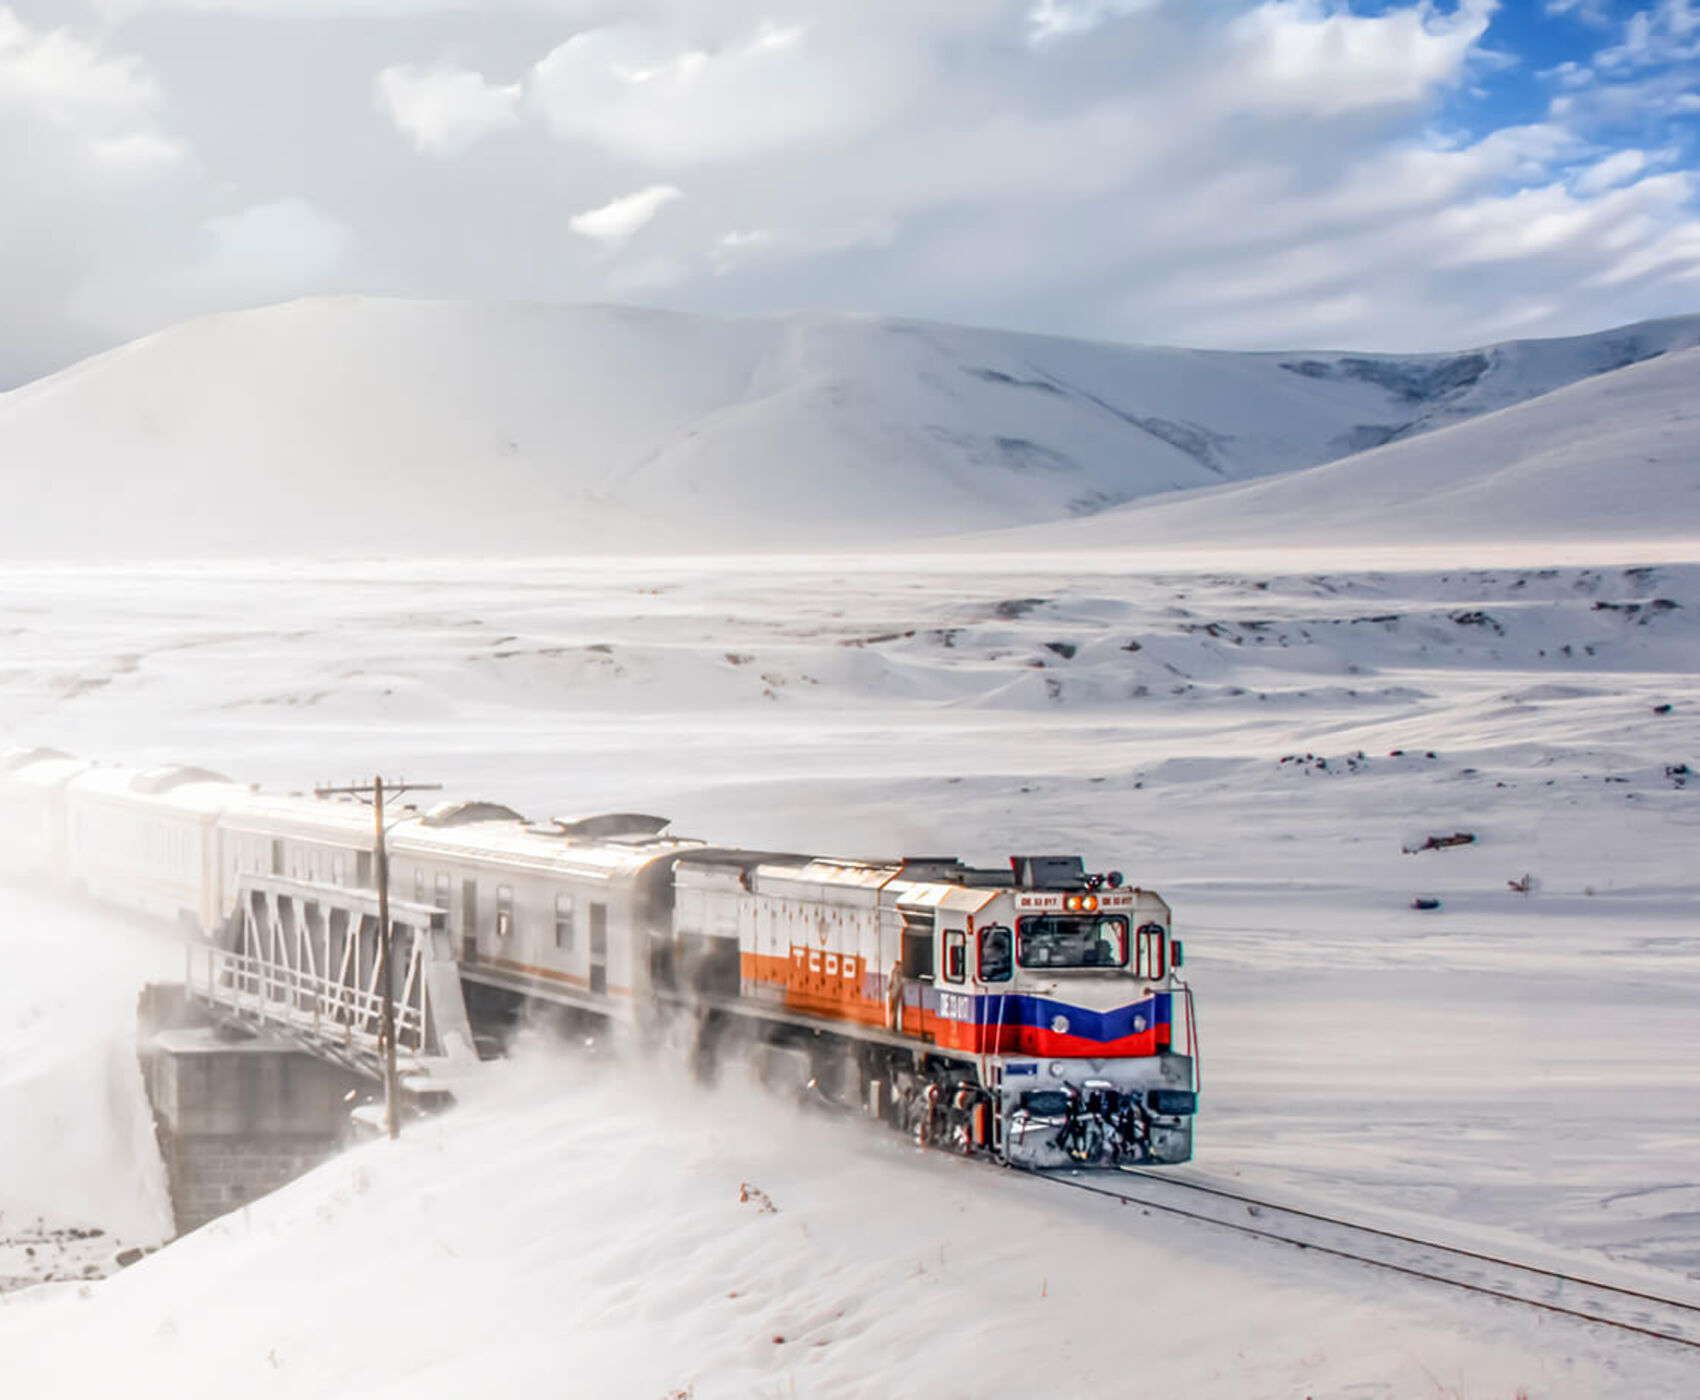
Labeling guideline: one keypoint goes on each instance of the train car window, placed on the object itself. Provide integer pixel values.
(363, 869)
(504, 911)
(339, 868)
(418, 886)
(955, 955)
(1072, 940)
(564, 922)
(443, 892)
(1148, 952)
(277, 856)
(997, 953)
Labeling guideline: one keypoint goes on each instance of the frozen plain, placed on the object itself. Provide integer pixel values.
(1510, 1069)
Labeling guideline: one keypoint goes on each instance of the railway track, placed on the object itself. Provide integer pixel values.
(1646, 1314)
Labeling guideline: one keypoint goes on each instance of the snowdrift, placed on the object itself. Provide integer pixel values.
(388, 428)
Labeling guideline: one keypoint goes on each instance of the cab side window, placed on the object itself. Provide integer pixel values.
(1148, 952)
(997, 949)
(955, 955)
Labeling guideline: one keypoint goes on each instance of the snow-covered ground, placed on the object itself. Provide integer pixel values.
(1258, 746)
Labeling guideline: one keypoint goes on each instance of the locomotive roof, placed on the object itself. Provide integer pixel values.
(867, 883)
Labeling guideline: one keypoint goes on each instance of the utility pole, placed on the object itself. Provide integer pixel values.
(386, 933)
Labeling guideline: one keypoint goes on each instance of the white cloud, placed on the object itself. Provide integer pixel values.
(140, 152)
(1049, 20)
(1594, 12)
(1309, 56)
(279, 249)
(445, 110)
(647, 95)
(1668, 32)
(1238, 172)
(617, 220)
(1615, 169)
(67, 79)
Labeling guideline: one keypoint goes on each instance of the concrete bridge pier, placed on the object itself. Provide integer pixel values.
(237, 1116)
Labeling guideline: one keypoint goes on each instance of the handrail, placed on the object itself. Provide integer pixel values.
(286, 994)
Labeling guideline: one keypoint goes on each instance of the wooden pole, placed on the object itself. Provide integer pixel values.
(386, 937)
(386, 941)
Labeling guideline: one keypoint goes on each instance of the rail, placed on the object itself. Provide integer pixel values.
(1624, 1309)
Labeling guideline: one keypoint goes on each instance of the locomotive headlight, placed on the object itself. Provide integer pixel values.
(1072, 902)
(1056, 1069)
(1091, 902)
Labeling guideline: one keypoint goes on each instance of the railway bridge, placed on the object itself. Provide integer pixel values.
(253, 1063)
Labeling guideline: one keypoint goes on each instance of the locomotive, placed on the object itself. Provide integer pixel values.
(1033, 1013)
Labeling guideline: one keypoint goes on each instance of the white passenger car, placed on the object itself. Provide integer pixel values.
(32, 813)
(148, 840)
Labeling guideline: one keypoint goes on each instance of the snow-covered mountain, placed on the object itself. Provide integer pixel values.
(357, 426)
(1611, 458)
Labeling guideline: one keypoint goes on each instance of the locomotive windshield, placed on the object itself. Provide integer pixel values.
(1072, 940)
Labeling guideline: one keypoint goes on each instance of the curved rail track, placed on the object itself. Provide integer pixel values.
(1550, 1290)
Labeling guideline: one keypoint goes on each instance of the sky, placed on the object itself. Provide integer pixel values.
(1219, 173)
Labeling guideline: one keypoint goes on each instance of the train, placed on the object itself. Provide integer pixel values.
(1034, 1013)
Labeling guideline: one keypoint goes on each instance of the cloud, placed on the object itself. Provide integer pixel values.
(617, 220)
(1050, 20)
(1615, 169)
(1594, 12)
(275, 250)
(1308, 56)
(1246, 173)
(68, 80)
(1668, 32)
(651, 96)
(445, 110)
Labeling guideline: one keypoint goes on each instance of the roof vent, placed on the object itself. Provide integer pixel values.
(1049, 872)
(466, 813)
(158, 780)
(14, 759)
(609, 825)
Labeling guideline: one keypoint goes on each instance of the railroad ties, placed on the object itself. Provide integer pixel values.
(1627, 1309)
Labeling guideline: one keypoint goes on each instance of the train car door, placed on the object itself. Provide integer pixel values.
(469, 922)
(599, 948)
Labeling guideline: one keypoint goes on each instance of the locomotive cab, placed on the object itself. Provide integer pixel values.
(1095, 1063)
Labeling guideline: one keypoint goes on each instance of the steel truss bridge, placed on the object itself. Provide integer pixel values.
(305, 961)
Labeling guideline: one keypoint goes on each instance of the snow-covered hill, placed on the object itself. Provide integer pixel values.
(1612, 458)
(365, 427)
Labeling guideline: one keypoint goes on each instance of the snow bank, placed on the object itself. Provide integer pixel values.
(78, 1143)
(586, 1229)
